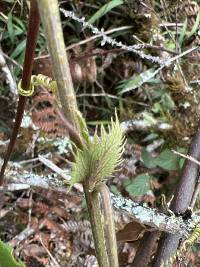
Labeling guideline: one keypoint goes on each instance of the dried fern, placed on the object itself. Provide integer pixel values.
(45, 115)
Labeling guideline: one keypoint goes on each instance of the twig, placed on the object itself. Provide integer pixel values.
(14, 62)
(186, 157)
(59, 171)
(197, 187)
(144, 125)
(106, 39)
(24, 234)
(10, 80)
(49, 253)
(90, 39)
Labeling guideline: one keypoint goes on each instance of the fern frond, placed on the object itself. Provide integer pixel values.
(42, 80)
(98, 160)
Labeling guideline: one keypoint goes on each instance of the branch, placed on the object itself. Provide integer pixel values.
(182, 200)
(20, 180)
(144, 125)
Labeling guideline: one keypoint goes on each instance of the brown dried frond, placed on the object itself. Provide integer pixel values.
(45, 115)
(44, 96)
(47, 112)
(175, 83)
(74, 226)
(188, 9)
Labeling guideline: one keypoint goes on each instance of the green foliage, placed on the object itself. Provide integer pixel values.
(185, 35)
(133, 83)
(83, 128)
(183, 32)
(195, 27)
(6, 256)
(104, 10)
(166, 160)
(10, 28)
(99, 158)
(19, 49)
(162, 99)
(148, 160)
(139, 186)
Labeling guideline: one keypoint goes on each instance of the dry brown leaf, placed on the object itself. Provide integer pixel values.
(131, 232)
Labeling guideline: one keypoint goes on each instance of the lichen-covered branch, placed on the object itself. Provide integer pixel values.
(20, 180)
(154, 218)
(144, 125)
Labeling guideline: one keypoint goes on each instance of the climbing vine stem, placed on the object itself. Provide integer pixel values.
(34, 21)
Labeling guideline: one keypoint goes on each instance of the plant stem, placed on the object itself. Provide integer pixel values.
(94, 210)
(52, 26)
(109, 225)
(49, 13)
(34, 21)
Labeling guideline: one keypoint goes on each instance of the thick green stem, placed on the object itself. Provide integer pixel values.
(96, 220)
(49, 13)
(109, 225)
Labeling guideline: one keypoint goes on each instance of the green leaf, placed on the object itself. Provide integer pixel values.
(131, 84)
(104, 10)
(183, 32)
(139, 186)
(6, 256)
(114, 189)
(97, 161)
(20, 23)
(148, 160)
(10, 28)
(167, 102)
(195, 26)
(83, 128)
(19, 49)
(167, 160)
(148, 117)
